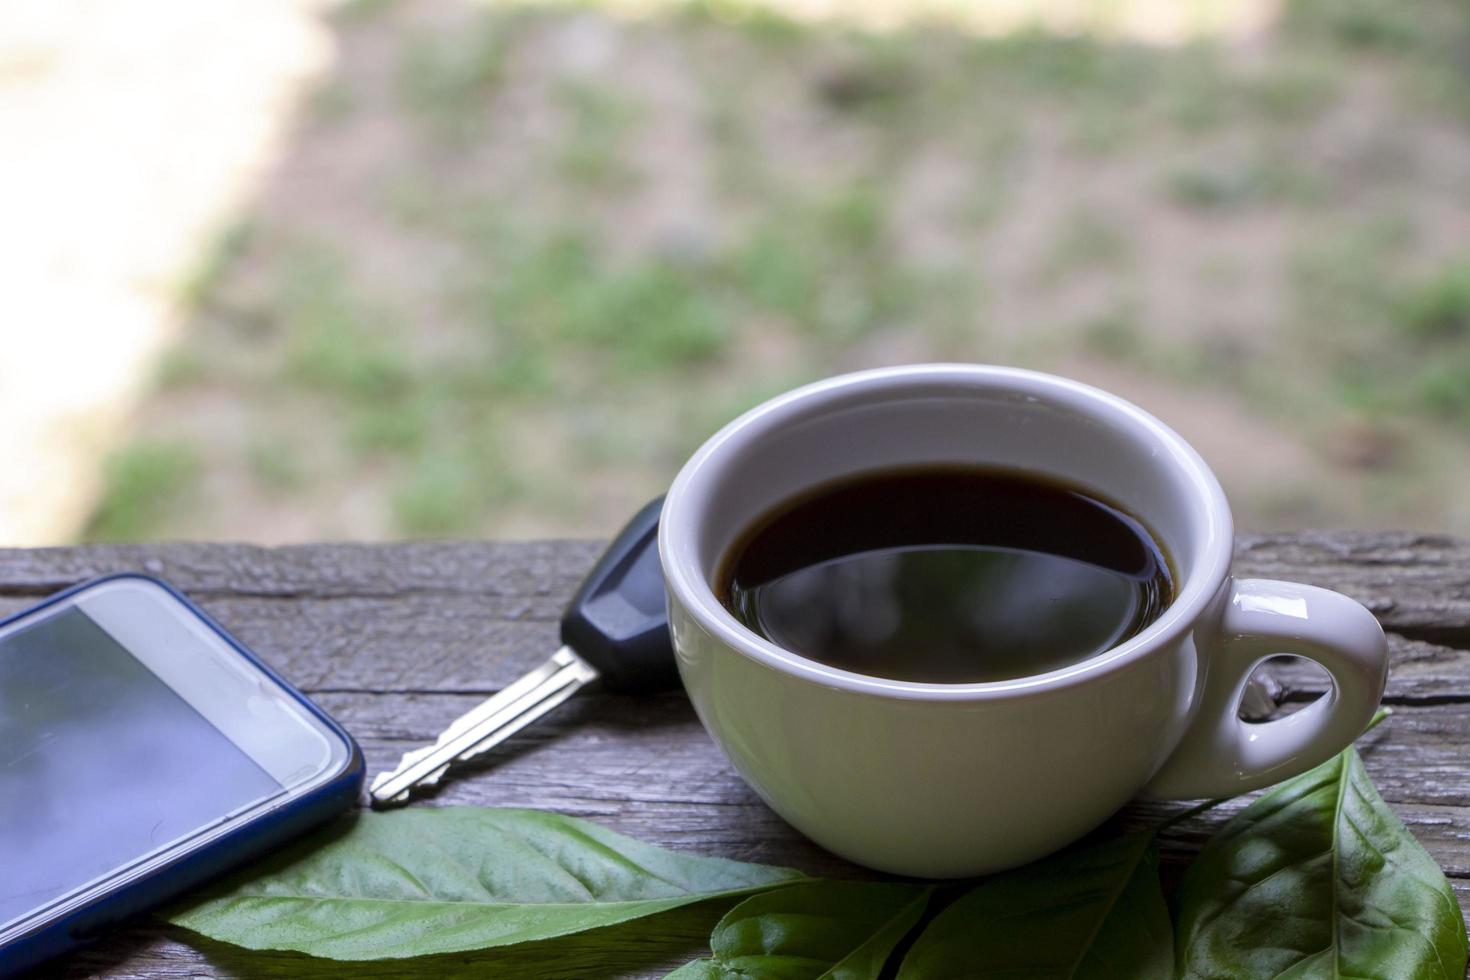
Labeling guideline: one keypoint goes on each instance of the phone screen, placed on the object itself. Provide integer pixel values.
(101, 763)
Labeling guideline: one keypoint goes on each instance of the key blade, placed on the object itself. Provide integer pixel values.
(528, 713)
(490, 738)
(558, 678)
(485, 725)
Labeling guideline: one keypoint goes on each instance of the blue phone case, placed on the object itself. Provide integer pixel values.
(252, 837)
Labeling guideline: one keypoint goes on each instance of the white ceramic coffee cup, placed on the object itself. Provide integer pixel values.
(950, 780)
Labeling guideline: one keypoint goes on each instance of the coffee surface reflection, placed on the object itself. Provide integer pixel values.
(947, 575)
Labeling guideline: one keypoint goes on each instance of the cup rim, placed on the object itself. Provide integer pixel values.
(687, 584)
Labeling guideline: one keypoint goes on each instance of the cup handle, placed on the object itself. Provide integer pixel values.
(1221, 755)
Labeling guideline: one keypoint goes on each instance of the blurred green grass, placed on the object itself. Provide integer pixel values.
(532, 254)
(145, 483)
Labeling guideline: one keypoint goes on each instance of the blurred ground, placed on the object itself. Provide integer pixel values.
(513, 262)
(127, 131)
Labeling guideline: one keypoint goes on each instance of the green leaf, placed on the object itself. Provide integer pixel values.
(835, 930)
(1319, 878)
(441, 880)
(1089, 913)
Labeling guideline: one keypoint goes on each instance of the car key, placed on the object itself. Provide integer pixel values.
(615, 631)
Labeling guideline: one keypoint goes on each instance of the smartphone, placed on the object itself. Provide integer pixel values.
(143, 750)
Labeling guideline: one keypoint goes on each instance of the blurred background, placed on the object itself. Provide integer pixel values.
(287, 270)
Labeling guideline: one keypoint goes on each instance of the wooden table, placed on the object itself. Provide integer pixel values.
(396, 640)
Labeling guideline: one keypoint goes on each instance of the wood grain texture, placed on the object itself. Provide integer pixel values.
(1418, 585)
(396, 640)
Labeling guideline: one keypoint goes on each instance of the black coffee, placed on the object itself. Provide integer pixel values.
(947, 574)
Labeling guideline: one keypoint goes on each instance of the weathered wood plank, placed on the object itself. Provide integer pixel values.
(395, 640)
(460, 642)
(419, 641)
(652, 749)
(1417, 584)
(645, 767)
(504, 568)
(690, 801)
